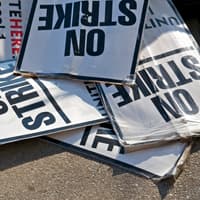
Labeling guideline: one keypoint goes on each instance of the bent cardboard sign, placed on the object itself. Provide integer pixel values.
(87, 40)
(101, 143)
(164, 102)
(33, 107)
(13, 20)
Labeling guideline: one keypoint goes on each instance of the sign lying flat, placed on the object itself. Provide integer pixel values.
(13, 20)
(164, 102)
(33, 107)
(161, 162)
(89, 40)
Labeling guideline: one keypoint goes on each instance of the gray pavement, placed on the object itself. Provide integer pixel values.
(37, 169)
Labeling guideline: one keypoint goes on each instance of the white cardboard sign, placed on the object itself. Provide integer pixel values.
(13, 20)
(33, 107)
(161, 162)
(88, 40)
(164, 102)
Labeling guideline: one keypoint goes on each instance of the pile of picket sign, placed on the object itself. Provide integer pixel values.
(116, 79)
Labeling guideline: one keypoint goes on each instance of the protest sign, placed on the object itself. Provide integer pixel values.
(33, 107)
(87, 40)
(163, 104)
(101, 143)
(13, 21)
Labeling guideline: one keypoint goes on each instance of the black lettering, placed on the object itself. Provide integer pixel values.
(3, 107)
(14, 13)
(100, 42)
(5, 71)
(108, 15)
(11, 87)
(165, 107)
(151, 11)
(14, 97)
(151, 24)
(76, 15)
(130, 17)
(71, 39)
(191, 62)
(161, 21)
(148, 81)
(91, 88)
(48, 18)
(173, 21)
(19, 111)
(78, 47)
(45, 117)
(18, 4)
(180, 76)
(98, 102)
(164, 80)
(63, 15)
(110, 142)
(186, 102)
(10, 82)
(2, 36)
(90, 18)
(121, 92)
(85, 135)
(139, 87)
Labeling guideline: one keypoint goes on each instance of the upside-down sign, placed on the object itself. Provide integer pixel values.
(164, 102)
(94, 40)
(13, 20)
(32, 107)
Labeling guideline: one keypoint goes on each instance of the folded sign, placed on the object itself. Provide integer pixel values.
(93, 40)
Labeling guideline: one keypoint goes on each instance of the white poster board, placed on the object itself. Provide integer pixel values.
(101, 143)
(33, 107)
(13, 20)
(88, 40)
(164, 102)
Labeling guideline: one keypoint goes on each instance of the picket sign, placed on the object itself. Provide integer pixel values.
(13, 20)
(87, 40)
(102, 144)
(34, 107)
(164, 102)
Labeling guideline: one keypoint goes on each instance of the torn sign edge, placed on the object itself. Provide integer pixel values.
(173, 173)
(129, 79)
(176, 171)
(54, 130)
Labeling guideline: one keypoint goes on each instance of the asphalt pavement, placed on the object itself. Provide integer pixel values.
(37, 169)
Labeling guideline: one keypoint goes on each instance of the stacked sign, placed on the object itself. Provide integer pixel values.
(96, 40)
(144, 102)
(166, 83)
(34, 107)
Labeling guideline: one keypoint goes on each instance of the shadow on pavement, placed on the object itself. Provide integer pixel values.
(196, 145)
(18, 153)
(164, 187)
